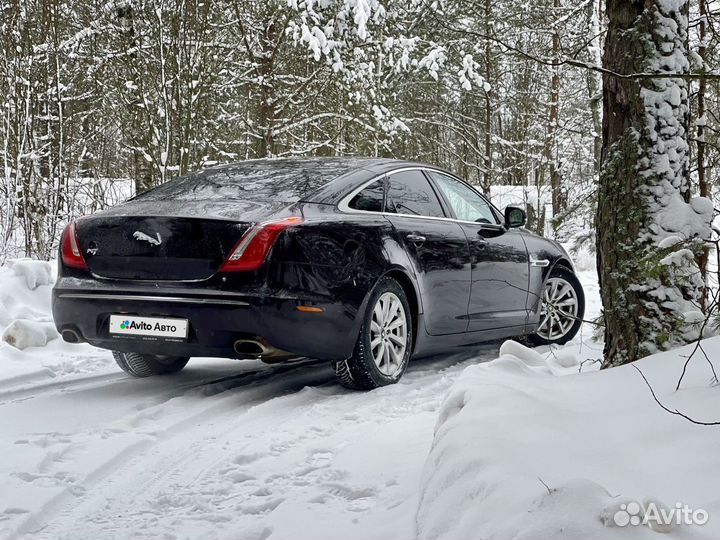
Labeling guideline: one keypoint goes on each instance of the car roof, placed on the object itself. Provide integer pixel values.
(352, 171)
(324, 180)
(356, 171)
(373, 164)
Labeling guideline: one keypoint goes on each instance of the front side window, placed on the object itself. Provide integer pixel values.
(409, 192)
(467, 204)
(369, 199)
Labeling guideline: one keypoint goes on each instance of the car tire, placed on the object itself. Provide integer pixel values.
(147, 365)
(563, 321)
(384, 345)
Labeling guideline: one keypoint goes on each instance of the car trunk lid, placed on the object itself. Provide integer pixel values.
(157, 247)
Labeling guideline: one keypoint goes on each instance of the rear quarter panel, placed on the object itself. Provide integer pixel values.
(335, 259)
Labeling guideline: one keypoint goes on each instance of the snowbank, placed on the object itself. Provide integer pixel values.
(30, 347)
(23, 334)
(25, 287)
(521, 453)
(35, 273)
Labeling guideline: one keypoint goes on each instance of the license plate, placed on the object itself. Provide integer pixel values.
(150, 327)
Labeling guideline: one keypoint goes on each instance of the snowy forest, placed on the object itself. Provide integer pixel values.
(502, 93)
(104, 99)
(599, 118)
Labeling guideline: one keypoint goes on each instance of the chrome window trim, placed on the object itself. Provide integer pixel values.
(344, 204)
(150, 298)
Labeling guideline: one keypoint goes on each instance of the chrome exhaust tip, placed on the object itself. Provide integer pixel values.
(259, 349)
(71, 335)
(249, 348)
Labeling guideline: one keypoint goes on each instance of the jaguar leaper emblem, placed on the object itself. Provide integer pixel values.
(139, 235)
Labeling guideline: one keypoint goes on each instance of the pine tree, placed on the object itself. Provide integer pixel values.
(649, 229)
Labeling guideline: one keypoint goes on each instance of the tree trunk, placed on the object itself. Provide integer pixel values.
(594, 81)
(647, 234)
(265, 146)
(487, 162)
(550, 146)
(141, 166)
(703, 185)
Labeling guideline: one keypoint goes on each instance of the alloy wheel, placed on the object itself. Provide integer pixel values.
(388, 334)
(559, 309)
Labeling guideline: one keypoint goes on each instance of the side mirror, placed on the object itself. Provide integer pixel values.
(514, 217)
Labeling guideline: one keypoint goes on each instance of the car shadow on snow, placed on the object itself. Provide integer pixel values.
(205, 377)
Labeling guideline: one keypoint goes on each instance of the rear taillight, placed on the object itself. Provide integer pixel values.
(71, 254)
(253, 248)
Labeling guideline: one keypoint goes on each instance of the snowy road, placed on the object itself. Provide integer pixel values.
(225, 449)
(222, 450)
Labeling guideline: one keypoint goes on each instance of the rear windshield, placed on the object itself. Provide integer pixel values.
(282, 180)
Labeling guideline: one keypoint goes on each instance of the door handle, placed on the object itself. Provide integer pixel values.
(539, 262)
(416, 239)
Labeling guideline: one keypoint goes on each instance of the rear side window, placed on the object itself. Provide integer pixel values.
(410, 192)
(369, 199)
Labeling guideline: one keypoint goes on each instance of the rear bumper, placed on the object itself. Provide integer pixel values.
(215, 322)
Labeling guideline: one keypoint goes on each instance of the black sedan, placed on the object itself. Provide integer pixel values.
(361, 262)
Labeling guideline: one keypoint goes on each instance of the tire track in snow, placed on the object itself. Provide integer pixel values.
(181, 383)
(265, 445)
(29, 392)
(141, 427)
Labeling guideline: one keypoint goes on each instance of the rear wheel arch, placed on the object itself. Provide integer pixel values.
(403, 279)
(375, 346)
(413, 298)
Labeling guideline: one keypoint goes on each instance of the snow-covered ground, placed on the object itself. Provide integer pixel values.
(230, 449)
(522, 453)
